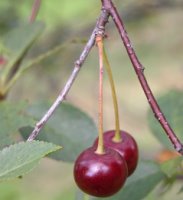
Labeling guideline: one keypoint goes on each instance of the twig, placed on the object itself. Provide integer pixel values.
(35, 10)
(103, 19)
(139, 69)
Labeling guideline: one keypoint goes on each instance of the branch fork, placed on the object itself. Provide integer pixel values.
(108, 9)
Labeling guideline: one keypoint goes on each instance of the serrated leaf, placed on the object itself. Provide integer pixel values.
(18, 159)
(171, 104)
(68, 127)
(139, 184)
(12, 117)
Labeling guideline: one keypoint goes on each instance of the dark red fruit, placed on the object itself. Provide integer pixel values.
(127, 148)
(100, 175)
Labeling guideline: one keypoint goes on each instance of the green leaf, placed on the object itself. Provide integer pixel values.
(172, 167)
(18, 42)
(21, 38)
(171, 104)
(12, 117)
(180, 190)
(139, 184)
(18, 159)
(43, 56)
(80, 195)
(9, 191)
(28, 64)
(68, 127)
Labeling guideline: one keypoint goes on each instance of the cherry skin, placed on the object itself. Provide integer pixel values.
(127, 148)
(100, 175)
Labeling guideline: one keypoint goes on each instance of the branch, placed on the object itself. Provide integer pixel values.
(35, 10)
(139, 69)
(103, 19)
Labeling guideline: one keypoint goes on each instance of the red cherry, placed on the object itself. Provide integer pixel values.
(127, 148)
(100, 175)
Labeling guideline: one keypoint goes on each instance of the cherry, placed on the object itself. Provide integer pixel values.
(127, 148)
(100, 175)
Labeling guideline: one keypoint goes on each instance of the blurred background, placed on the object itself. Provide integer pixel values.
(155, 29)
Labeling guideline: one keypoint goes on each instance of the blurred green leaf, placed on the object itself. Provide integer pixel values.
(171, 104)
(68, 127)
(12, 117)
(20, 39)
(18, 42)
(31, 63)
(140, 184)
(43, 56)
(172, 166)
(9, 191)
(20, 158)
(181, 190)
(80, 195)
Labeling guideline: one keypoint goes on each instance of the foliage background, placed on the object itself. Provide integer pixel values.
(156, 33)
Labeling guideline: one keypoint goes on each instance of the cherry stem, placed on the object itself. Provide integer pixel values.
(117, 137)
(35, 10)
(139, 69)
(100, 147)
(99, 28)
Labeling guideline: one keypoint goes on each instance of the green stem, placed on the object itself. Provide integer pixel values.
(100, 147)
(117, 136)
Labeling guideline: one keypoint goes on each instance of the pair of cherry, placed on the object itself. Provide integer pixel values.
(102, 169)
(103, 175)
